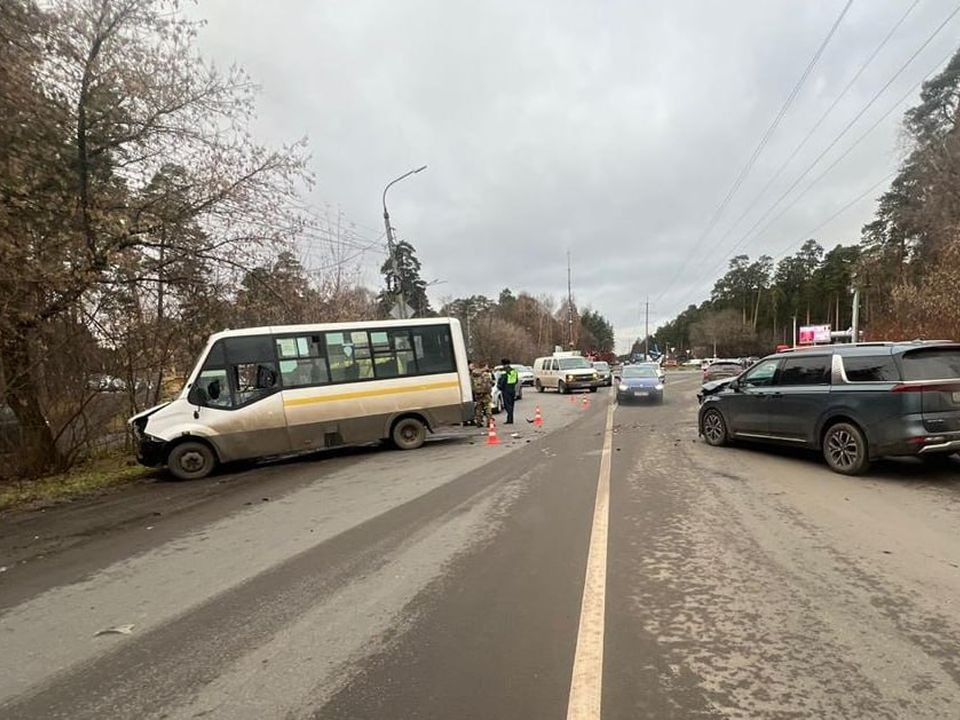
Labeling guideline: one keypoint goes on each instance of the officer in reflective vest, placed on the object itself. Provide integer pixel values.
(507, 383)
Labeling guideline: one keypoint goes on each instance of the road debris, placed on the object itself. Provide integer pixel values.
(116, 630)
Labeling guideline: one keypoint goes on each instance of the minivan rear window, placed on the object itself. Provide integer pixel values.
(871, 368)
(932, 364)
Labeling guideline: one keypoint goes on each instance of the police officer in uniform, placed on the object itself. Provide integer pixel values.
(507, 382)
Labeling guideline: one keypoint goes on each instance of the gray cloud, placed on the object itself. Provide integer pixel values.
(610, 128)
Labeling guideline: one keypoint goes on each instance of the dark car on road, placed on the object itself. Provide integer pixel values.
(854, 403)
(604, 373)
(639, 382)
(721, 370)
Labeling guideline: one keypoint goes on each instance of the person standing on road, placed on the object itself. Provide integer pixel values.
(507, 383)
(481, 382)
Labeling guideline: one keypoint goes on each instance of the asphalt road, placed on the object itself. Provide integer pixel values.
(607, 565)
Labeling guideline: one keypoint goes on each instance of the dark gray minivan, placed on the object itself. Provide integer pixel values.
(854, 402)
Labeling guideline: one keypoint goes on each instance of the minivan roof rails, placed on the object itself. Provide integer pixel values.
(871, 343)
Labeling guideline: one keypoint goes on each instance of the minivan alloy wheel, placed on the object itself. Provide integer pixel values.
(845, 449)
(842, 448)
(714, 428)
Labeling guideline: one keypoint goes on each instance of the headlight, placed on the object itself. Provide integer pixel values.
(660, 386)
(571, 378)
(623, 387)
(595, 376)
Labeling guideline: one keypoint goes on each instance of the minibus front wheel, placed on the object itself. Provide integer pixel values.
(409, 433)
(191, 460)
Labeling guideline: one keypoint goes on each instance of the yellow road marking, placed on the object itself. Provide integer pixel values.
(292, 402)
(587, 682)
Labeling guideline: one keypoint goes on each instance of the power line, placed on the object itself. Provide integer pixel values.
(816, 126)
(846, 206)
(765, 138)
(846, 129)
(834, 216)
(903, 98)
(832, 165)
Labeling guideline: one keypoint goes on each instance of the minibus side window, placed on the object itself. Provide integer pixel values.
(253, 367)
(393, 353)
(303, 361)
(212, 386)
(434, 350)
(349, 356)
(215, 388)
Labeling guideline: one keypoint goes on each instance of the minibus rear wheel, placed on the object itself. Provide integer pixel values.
(409, 433)
(191, 460)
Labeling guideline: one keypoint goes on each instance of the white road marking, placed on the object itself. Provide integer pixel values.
(587, 681)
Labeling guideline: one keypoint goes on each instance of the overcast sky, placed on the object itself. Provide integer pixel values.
(612, 129)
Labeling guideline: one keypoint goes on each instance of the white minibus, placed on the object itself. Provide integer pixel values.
(267, 391)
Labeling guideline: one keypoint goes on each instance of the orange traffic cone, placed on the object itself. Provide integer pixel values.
(492, 438)
(586, 402)
(572, 400)
(537, 417)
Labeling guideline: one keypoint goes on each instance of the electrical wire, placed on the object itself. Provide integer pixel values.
(750, 234)
(903, 98)
(765, 138)
(816, 126)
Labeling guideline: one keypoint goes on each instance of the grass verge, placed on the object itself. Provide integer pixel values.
(90, 478)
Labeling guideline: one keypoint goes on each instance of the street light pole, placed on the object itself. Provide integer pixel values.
(391, 247)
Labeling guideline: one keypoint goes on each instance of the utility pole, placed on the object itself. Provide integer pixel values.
(855, 319)
(569, 303)
(646, 329)
(391, 246)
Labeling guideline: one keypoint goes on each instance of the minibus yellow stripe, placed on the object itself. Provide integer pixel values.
(293, 402)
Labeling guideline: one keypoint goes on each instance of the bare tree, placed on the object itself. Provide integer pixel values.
(104, 94)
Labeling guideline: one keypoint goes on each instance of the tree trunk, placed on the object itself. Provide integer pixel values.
(38, 449)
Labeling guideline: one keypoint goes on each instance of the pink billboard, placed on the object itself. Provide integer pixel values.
(814, 334)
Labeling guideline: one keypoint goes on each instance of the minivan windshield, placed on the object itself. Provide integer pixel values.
(573, 363)
(932, 364)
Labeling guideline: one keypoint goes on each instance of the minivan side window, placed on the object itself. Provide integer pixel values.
(806, 370)
(870, 368)
(761, 374)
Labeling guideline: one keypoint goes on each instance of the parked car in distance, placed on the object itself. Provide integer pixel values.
(565, 372)
(603, 372)
(656, 367)
(106, 383)
(854, 403)
(639, 382)
(526, 374)
(721, 370)
(498, 371)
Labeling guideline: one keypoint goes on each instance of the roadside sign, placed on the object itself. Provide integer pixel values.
(401, 311)
(814, 334)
